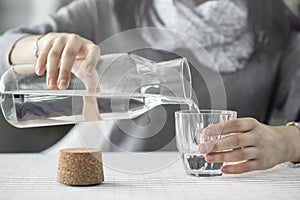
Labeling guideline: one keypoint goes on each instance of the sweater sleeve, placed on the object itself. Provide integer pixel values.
(78, 17)
(288, 91)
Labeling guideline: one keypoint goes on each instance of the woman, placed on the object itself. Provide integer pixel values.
(251, 44)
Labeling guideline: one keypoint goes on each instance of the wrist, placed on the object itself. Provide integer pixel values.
(22, 52)
(296, 133)
(35, 46)
(287, 142)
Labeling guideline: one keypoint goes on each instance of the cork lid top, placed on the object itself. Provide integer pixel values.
(80, 166)
(80, 150)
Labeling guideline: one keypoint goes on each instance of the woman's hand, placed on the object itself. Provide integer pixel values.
(258, 146)
(62, 50)
(70, 53)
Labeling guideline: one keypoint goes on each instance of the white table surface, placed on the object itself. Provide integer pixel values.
(33, 176)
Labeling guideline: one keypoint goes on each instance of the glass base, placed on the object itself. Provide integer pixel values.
(204, 173)
(195, 165)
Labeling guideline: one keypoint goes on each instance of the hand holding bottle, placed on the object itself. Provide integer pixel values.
(55, 51)
(61, 50)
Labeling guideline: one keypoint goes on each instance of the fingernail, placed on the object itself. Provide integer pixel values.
(89, 69)
(63, 83)
(225, 169)
(202, 148)
(210, 157)
(39, 70)
(208, 132)
(52, 83)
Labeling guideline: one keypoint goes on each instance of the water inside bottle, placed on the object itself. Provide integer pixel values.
(130, 85)
(37, 108)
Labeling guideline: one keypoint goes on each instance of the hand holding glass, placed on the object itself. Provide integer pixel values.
(189, 134)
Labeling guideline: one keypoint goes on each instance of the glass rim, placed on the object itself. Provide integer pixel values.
(206, 112)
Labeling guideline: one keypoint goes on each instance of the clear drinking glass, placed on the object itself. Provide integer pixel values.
(122, 86)
(189, 134)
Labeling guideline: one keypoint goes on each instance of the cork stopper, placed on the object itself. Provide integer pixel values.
(80, 166)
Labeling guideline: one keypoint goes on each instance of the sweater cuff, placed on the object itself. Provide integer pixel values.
(7, 42)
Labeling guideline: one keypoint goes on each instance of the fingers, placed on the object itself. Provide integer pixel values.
(237, 155)
(228, 143)
(248, 160)
(231, 126)
(93, 58)
(42, 58)
(62, 49)
(246, 141)
(87, 71)
(90, 110)
(53, 62)
(72, 48)
(241, 167)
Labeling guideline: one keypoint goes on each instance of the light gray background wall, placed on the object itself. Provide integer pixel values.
(16, 12)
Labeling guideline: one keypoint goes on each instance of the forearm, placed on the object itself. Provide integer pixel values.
(23, 51)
